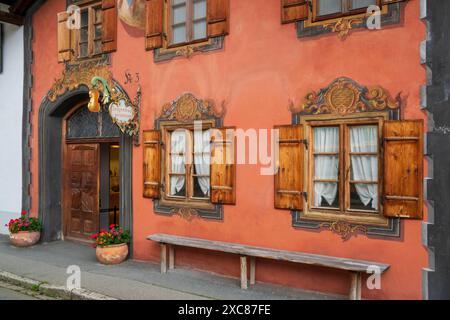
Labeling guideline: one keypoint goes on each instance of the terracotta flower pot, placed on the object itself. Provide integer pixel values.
(24, 238)
(114, 254)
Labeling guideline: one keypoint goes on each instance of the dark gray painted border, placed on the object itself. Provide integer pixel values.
(27, 104)
(50, 125)
(393, 16)
(216, 44)
(436, 102)
(214, 214)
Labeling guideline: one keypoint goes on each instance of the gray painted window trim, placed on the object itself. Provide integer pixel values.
(393, 16)
(163, 55)
(213, 214)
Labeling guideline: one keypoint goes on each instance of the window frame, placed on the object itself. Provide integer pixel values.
(91, 6)
(367, 217)
(168, 40)
(188, 200)
(345, 4)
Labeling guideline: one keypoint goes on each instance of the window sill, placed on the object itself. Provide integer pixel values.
(165, 54)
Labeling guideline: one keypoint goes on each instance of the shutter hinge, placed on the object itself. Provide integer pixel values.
(305, 142)
(310, 5)
(305, 196)
(164, 35)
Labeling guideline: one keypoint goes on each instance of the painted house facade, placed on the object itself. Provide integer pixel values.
(337, 87)
(11, 91)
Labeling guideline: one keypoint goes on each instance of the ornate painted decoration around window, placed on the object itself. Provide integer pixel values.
(340, 98)
(184, 110)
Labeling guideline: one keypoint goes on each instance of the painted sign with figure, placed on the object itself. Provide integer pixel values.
(132, 12)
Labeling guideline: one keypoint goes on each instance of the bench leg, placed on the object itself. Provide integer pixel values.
(163, 258)
(252, 271)
(244, 272)
(355, 286)
(171, 257)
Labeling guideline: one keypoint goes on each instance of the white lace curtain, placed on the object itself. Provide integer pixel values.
(326, 167)
(178, 160)
(202, 158)
(365, 168)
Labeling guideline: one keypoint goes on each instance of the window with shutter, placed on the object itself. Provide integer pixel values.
(182, 27)
(97, 33)
(342, 168)
(360, 169)
(196, 172)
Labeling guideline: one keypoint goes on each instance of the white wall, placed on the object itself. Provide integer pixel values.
(11, 88)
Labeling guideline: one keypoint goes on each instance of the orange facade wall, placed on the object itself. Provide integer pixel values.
(262, 67)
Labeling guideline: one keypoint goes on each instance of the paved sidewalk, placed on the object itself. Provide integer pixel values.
(48, 263)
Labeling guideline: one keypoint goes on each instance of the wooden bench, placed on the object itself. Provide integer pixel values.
(355, 267)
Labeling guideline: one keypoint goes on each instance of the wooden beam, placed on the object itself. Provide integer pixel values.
(11, 18)
(20, 6)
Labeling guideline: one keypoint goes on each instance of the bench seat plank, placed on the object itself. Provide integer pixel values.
(282, 255)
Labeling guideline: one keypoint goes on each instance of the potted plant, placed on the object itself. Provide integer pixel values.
(111, 246)
(24, 231)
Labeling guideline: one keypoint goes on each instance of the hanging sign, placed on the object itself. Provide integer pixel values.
(125, 115)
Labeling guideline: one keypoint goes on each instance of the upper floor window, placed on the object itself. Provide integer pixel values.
(187, 21)
(182, 27)
(325, 9)
(86, 30)
(90, 35)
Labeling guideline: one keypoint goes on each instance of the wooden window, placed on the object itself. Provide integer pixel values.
(97, 33)
(187, 21)
(361, 168)
(186, 165)
(328, 9)
(90, 35)
(344, 166)
(175, 23)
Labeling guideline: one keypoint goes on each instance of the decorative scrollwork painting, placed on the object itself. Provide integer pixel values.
(188, 108)
(344, 96)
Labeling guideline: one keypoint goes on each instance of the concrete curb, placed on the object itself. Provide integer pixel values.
(51, 290)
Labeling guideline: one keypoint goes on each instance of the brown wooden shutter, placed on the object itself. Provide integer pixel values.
(154, 24)
(218, 17)
(403, 169)
(64, 38)
(294, 10)
(223, 166)
(109, 26)
(152, 163)
(289, 176)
